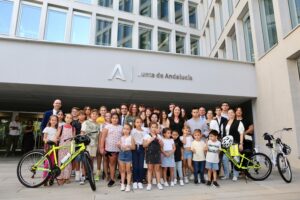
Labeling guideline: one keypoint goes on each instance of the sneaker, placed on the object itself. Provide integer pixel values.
(149, 187)
(127, 188)
(162, 181)
(51, 182)
(175, 181)
(215, 184)
(181, 183)
(82, 180)
(77, 176)
(203, 181)
(159, 186)
(73, 173)
(154, 181)
(122, 187)
(111, 183)
(96, 178)
(172, 184)
(192, 177)
(134, 185)
(208, 183)
(196, 181)
(205, 177)
(224, 178)
(166, 184)
(140, 186)
(234, 179)
(186, 180)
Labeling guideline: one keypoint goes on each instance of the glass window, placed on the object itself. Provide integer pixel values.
(230, 7)
(145, 36)
(103, 32)
(145, 8)
(248, 38)
(55, 25)
(163, 9)
(29, 21)
(85, 1)
(81, 25)
(178, 13)
(105, 3)
(179, 44)
(125, 5)
(125, 35)
(234, 47)
(193, 16)
(268, 23)
(163, 41)
(195, 50)
(295, 12)
(5, 16)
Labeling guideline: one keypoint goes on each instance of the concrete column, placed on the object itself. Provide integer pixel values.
(69, 25)
(172, 11)
(114, 33)
(173, 41)
(187, 44)
(136, 7)
(186, 13)
(282, 18)
(43, 20)
(14, 18)
(135, 35)
(154, 38)
(154, 9)
(228, 44)
(93, 28)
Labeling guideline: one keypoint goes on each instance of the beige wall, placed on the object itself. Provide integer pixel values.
(277, 103)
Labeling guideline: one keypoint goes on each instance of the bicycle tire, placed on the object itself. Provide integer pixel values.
(281, 170)
(21, 173)
(262, 173)
(89, 171)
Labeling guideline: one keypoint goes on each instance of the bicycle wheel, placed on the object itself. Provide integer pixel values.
(29, 176)
(259, 167)
(89, 170)
(284, 168)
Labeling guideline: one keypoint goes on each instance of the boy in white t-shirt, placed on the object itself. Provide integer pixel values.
(197, 148)
(213, 148)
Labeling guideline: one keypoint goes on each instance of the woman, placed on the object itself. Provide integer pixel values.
(132, 114)
(176, 122)
(28, 138)
(142, 115)
(148, 113)
(249, 129)
(206, 126)
(87, 111)
(183, 114)
(164, 120)
(236, 129)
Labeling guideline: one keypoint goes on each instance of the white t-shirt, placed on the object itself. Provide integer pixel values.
(212, 155)
(147, 137)
(189, 139)
(51, 133)
(214, 125)
(241, 128)
(14, 131)
(168, 144)
(138, 136)
(199, 147)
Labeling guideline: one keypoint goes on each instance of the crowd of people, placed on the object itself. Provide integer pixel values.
(150, 146)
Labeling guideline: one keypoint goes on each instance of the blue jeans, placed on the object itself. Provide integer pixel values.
(225, 162)
(199, 168)
(138, 156)
(178, 169)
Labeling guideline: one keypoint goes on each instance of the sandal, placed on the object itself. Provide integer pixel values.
(60, 181)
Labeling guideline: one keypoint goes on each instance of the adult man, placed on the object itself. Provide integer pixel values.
(195, 122)
(124, 111)
(202, 113)
(171, 108)
(218, 121)
(56, 107)
(13, 135)
(225, 108)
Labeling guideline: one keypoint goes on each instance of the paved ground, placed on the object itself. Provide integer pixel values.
(273, 188)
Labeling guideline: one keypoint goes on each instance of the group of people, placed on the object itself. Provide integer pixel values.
(148, 145)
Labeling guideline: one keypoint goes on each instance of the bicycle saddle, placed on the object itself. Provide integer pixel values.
(49, 142)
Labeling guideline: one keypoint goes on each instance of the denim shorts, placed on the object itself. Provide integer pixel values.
(213, 166)
(187, 154)
(125, 156)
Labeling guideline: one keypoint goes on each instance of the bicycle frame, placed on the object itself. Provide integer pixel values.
(239, 165)
(53, 150)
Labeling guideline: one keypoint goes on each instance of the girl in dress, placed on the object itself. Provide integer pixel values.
(168, 160)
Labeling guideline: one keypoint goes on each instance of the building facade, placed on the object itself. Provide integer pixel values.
(189, 51)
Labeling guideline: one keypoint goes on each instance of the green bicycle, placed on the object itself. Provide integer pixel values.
(256, 166)
(35, 167)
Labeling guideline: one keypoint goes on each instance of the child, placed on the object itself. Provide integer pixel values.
(91, 128)
(65, 132)
(50, 135)
(126, 144)
(111, 134)
(138, 154)
(213, 148)
(187, 140)
(153, 143)
(178, 158)
(197, 148)
(168, 161)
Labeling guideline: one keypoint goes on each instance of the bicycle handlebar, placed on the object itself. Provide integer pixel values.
(71, 138)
